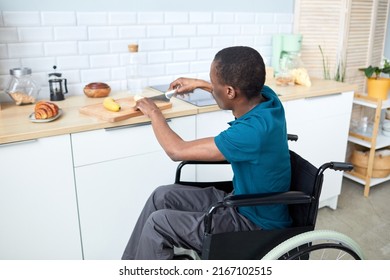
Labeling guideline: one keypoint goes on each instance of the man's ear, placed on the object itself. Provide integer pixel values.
(231, 92)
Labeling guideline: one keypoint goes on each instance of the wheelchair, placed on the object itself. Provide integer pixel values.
(298, 242)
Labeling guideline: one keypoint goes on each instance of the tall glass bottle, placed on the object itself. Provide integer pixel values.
(134, 79)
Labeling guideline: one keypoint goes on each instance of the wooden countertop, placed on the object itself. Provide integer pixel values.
(287, 93)
(16, 126)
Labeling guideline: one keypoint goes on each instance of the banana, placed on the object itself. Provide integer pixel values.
(110, 104)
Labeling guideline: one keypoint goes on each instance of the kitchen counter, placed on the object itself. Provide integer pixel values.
(287, 93)
(86, 184)
(15, 124)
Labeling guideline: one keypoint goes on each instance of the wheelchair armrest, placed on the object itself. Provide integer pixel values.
(290, 197)
(186, 162)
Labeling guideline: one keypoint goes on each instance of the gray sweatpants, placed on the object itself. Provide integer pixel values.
(173, 217)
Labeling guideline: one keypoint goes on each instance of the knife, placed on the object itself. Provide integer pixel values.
(164, 97)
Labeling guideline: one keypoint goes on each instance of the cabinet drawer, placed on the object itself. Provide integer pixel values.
(108, 144)
(320, 107)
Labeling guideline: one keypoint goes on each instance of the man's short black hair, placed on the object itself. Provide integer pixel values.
(241, 67)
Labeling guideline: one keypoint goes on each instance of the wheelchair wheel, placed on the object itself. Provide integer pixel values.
(317, 245)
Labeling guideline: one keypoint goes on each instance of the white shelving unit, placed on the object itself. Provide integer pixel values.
(374, 142)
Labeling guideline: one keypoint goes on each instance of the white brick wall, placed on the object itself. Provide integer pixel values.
(92, 46)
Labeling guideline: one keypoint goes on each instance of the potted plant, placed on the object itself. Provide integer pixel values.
(377, 85)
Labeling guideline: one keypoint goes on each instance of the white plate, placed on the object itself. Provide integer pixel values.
(386, 133)
(33, 119)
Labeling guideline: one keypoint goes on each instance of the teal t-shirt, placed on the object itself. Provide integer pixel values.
(256, 146)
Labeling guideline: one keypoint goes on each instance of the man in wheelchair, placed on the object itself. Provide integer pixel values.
(255, 144)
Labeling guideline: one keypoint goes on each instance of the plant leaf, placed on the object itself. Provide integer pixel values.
(369, 71)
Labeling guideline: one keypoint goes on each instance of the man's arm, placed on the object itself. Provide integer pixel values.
(186, 85)
(175, 147)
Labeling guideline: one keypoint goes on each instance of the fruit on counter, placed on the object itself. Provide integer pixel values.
(110, 104)
(45, 110)
(135, 99)
(138, 97)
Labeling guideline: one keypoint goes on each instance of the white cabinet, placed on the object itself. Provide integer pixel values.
(116, 171)
(322, 125)
(111, 196)
(38, 210)
(210, 125)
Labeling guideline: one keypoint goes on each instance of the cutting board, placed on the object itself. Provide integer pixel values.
(127, 110)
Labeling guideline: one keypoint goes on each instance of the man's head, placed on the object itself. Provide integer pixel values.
(241, 68)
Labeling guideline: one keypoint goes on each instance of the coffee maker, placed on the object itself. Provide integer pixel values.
(57, 86)
(284, 45)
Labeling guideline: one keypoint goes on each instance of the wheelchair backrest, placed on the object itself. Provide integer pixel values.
(303, 178)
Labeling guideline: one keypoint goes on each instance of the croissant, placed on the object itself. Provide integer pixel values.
(45, 110)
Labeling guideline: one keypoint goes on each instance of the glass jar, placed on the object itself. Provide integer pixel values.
(291, 60)
(288, 62)
(22, 88)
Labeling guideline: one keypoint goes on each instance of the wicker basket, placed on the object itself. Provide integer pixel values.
(381, 166)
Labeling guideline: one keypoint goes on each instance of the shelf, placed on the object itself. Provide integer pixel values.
(365, 139)
(364, 100)
(381, 141)
(374, 141)
(373, 181)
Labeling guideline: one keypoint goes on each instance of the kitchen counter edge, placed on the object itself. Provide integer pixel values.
(15, 125)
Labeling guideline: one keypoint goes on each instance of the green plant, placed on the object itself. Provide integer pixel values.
(340, 71)
(325, 65)
(371, 70)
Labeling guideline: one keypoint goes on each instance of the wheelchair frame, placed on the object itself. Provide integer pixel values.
(296, 242)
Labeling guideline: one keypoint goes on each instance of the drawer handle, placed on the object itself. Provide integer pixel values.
(130, 125)
(322, 96)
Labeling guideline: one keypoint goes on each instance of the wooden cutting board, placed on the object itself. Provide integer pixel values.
(127, 110)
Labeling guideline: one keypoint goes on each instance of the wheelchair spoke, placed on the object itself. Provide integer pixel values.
(324, 251)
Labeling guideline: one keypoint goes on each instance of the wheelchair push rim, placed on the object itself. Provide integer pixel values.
(314, 241)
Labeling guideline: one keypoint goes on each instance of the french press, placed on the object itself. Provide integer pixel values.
(57, 86)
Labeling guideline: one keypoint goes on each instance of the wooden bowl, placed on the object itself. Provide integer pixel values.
(381, 166)
(97, 90)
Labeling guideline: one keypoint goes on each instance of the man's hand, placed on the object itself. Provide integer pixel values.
(147, 107)
(187, 85)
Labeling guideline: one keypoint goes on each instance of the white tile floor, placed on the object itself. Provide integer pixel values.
(364, 219)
